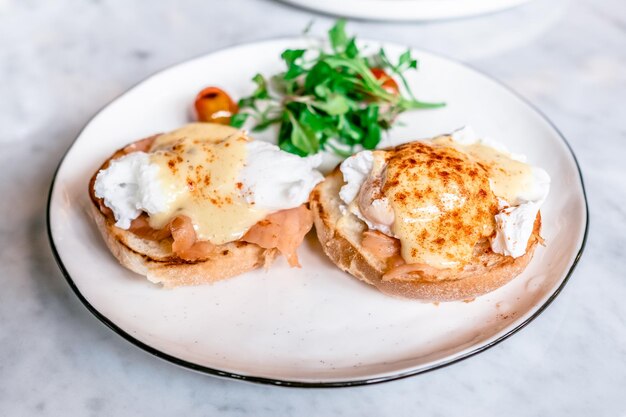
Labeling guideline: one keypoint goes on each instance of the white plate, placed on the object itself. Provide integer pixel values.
(406, 10)
(315, 325)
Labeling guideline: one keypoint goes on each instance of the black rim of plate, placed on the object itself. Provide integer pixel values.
(295, 383)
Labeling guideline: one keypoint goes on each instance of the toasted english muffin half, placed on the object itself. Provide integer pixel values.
(341, 237)
(155, 260)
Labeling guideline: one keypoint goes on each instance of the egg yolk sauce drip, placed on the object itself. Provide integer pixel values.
(201, 178)
(442, 201)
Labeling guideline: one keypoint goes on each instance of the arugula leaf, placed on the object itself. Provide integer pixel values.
(405, 62)
(291, 55)
(261, 87)
(237, 120)
(302, 136)
(334, 105)
(318, 76)
(337, 36)
(247, 102)
(291, 58)
(288, 146)
(352, 51)
(372, 137)
(350, 131)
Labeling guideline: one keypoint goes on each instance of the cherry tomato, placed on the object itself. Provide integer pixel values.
(215, 105)
(389, 84)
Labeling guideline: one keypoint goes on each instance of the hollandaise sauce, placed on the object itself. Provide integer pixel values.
(442, 201)
(445, 195)
(509, 178)
(199, 168)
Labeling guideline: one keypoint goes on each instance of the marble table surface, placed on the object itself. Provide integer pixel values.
(60, 61)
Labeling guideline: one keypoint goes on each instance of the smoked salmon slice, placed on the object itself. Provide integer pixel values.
(283, 230)
(380, 245)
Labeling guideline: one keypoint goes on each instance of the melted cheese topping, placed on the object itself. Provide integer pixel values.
(442, 201)
(199, 166)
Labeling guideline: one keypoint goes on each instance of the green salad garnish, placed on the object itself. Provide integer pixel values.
(334, 99)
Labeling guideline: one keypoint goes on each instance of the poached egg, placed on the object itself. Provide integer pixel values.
(224, 181)
(440, 197)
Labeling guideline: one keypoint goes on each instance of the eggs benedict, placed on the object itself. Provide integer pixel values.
(444, 219)
(202, 203)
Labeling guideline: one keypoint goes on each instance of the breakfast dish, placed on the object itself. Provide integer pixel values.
(206, 202)
(446, 219)
(202, 203)
(441, 220)
(314, 325)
